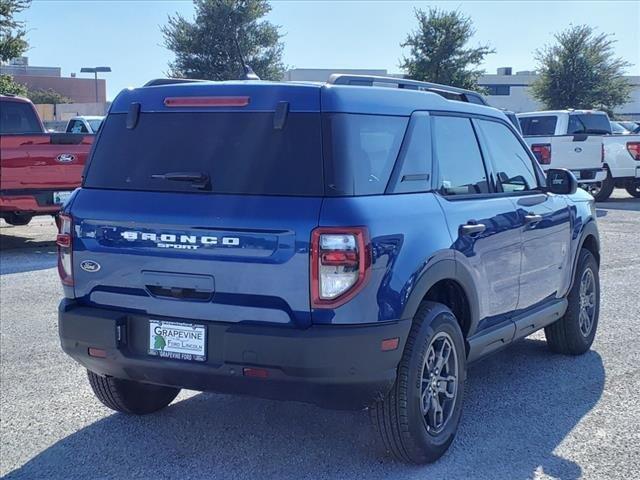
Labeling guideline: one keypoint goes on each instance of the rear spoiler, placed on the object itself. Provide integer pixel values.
(170, 81)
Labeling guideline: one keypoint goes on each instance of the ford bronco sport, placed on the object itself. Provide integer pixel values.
(350, 246)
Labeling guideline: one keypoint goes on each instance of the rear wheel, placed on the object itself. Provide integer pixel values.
(633, 188)
(418, 418)
(17, 220)
(573, 334)
(128, 396)
(601, 191)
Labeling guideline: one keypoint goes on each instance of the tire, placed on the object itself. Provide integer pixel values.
(128, 396)
(398, 418)
(633, 188)
(17, 220)
(570, 335)
(602, 191)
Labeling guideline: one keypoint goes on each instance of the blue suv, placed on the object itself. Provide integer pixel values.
(354, 244)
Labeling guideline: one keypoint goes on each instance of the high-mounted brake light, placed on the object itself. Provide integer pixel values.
(340, 263)
(542, 152)
(206, 101)
(634, 149)
(64, 240)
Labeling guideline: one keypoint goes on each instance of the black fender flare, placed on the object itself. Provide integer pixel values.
(590, 229)
(447, 269)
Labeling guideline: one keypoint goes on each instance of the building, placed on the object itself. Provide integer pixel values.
(506, 90)
(512, 92)
(79, 90)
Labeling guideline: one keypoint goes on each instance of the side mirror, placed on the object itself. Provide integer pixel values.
(561, 181)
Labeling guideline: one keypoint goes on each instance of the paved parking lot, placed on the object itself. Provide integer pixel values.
(528, 413)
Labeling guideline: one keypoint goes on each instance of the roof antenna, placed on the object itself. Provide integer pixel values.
(249, 74)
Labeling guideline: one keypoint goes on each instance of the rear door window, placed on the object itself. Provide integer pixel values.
(360, 152)
(460, 167)
(18, 117)
(241, 153)
(543, 125)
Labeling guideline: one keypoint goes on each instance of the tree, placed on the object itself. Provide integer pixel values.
(439, 52)
(12, 41)
(9, 87)
(47, 96)
(205, 48)
(581, 71)
(12, 31)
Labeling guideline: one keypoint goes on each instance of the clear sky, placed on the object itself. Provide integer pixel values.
(125, 34)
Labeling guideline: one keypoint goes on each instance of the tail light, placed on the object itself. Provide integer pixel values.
(340, 263)
(64, 240)
(634, 149)
(542, 151)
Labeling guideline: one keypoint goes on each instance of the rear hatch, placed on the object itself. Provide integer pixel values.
(199, 202)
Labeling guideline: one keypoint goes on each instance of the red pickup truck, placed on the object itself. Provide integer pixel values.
(38, 170)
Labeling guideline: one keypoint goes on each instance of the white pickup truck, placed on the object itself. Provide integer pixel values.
(581, 141)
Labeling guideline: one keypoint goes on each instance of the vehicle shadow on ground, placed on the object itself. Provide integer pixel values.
(629, 203)
(520, 404)
(19, 254)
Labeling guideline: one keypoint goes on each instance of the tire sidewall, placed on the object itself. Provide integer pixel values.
(442, 321)
(586, 260)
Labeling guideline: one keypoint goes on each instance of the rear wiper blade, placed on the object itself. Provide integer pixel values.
(199, 179)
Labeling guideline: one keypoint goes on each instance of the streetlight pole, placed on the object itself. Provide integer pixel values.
(95, 71)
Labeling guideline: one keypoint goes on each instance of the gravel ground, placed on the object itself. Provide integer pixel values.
(528, 413)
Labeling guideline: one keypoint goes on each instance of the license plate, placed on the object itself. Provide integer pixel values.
(577, 174)
(179, 341)
(61, 197)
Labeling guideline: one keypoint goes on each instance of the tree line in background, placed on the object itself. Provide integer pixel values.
(578, 70)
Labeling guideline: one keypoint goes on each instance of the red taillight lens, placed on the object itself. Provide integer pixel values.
(206, 101)
(634, 149)
(542, 151)
(64, 240)
(340, 262)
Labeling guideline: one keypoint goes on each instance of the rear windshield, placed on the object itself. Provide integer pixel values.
(589, 123)
(240, 153)
(544, 125)
(18, 117)
(315, 154)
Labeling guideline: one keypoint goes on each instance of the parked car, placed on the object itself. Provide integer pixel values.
(349, 246)
(84, 124)
(38, 169)
(633, 127)
(582, 141)
(618, 129)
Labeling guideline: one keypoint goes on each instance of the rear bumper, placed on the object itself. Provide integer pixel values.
(590, 175)
(332, 366)
(29, 202)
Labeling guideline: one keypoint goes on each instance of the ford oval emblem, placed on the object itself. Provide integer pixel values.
(66, 158)
(90, 266)
(577, 149)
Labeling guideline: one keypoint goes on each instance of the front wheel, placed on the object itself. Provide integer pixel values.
(418, 419)
(128, 396)
(573, 334)
(633, 188)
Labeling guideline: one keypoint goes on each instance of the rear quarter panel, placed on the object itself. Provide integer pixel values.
(408, 236)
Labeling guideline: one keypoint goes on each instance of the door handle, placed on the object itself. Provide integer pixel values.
(472, 228)
(532, 218)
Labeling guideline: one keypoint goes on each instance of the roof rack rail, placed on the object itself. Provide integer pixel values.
(170, 81)
(452, 93)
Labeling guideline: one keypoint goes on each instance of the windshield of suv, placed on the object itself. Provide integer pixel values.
(239, 153)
